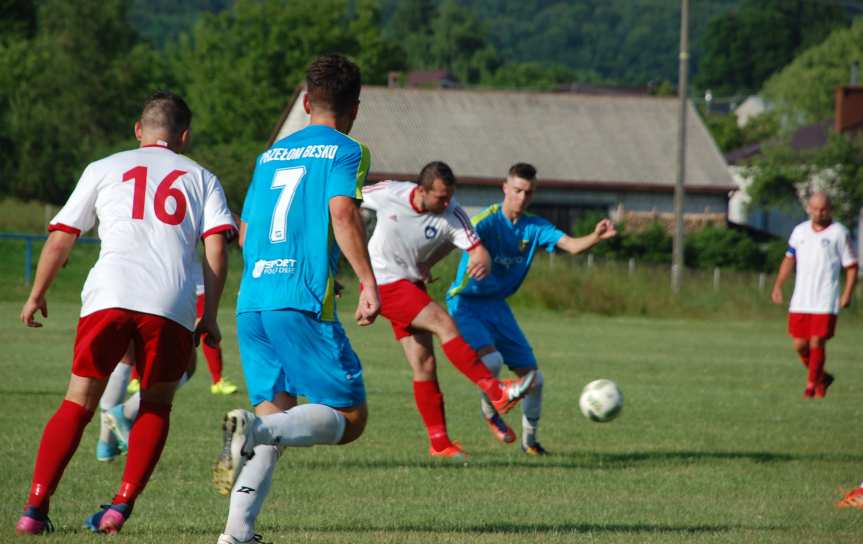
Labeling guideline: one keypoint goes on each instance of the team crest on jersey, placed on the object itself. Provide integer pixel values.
(394, 217)
(522, 246)
(431, 232)
(825, 242)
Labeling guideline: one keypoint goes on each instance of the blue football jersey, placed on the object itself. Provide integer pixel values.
(512, 248)
(289, 253)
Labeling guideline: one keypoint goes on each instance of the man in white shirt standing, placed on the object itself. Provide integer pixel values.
(818, 250)
(153, 205)
(417, 225)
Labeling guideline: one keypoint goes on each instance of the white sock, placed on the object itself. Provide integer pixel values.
(250, 491)
(133, 403)
(531, 408)
(494, 363)
(303, 425)
(131, 406)
(115, 392)
(115, 389)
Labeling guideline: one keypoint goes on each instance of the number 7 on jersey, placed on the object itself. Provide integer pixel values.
(286, 179)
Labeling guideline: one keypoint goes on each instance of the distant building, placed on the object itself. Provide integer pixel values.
(848, 118)
(612, 154)
(753, 106)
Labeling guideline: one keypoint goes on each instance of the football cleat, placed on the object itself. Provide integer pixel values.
(825, 382)
(237, 449)
(120, 425)
(134, 386)
(223, 387)
(500, 429)
(535, 449)
(453, 452)
(852, 499)
(228, 539)
(107, 451)
(33, 522)
(110, 519)
(513, 391)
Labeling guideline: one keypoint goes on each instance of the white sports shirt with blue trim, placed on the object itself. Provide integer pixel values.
(820, 257)
(405, 238)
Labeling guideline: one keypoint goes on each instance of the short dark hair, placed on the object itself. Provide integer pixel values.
(333, 83)
(435, 170)
(168, 111)
(523, 170)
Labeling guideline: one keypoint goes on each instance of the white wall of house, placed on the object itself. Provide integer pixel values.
(777, 222)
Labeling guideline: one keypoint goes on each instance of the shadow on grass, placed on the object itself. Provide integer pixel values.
(533, 528)
(591, 460)
(33, 393)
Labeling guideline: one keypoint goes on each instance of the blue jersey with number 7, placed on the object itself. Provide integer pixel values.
(289, 253)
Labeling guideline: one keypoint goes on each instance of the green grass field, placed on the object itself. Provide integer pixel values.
(714, 444)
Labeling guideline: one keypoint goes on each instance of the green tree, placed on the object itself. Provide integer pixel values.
(72, 91)
(744, 47)
(781, 175)
(803, 92)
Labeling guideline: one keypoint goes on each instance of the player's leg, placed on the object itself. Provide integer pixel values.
(493, 360)
(504, 396)
(215, 363)
(817, 378)
(101, 339)
(516, 352)
(801, 346)
(419, 351)
(328, 373)
(254, 482)
(107, 448)
(163, 351)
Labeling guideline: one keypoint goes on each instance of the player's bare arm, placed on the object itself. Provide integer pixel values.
(54, 255)
(603, 231)
(215, 267)
(479, 262)
(349, 233)
(850, 282)
(785, 269)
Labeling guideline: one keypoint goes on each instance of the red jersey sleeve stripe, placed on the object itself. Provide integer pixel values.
(64, 228)
(216, 230)
(474, 245)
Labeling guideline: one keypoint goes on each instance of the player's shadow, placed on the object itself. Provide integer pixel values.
(586, 460)
(527, 528)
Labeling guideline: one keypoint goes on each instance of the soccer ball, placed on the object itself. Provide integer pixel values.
(601, 400)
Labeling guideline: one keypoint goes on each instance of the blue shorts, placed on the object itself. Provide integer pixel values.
(294, 352)
(489, 321)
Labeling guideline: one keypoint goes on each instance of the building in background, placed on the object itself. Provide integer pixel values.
(611, 154)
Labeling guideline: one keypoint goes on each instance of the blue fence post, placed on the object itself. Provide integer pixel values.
(28, 261)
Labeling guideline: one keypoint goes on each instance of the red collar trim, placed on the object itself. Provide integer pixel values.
(160, 146)
(411, 200)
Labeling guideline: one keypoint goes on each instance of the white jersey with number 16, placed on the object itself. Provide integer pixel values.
(153, 205)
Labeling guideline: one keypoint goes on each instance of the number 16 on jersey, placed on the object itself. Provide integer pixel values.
(287, 180)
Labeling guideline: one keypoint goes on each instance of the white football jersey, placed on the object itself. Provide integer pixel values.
(820, 257)
(404, 238)
(153, 206)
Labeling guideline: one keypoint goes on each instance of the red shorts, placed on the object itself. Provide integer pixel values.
(163, 348)
(809, 325)
(401, 302)
(200, 301)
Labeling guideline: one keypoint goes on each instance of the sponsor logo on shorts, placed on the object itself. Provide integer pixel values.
(276, 266)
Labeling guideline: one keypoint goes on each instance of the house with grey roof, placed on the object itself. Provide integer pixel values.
(614, 154)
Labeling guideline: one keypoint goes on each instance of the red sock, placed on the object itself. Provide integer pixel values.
(60, 439)
(466, 360)
(429, 401)
(817, 357)
(146, 441)
(214, 359)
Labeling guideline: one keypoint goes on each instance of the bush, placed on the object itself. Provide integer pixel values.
(723, 248)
